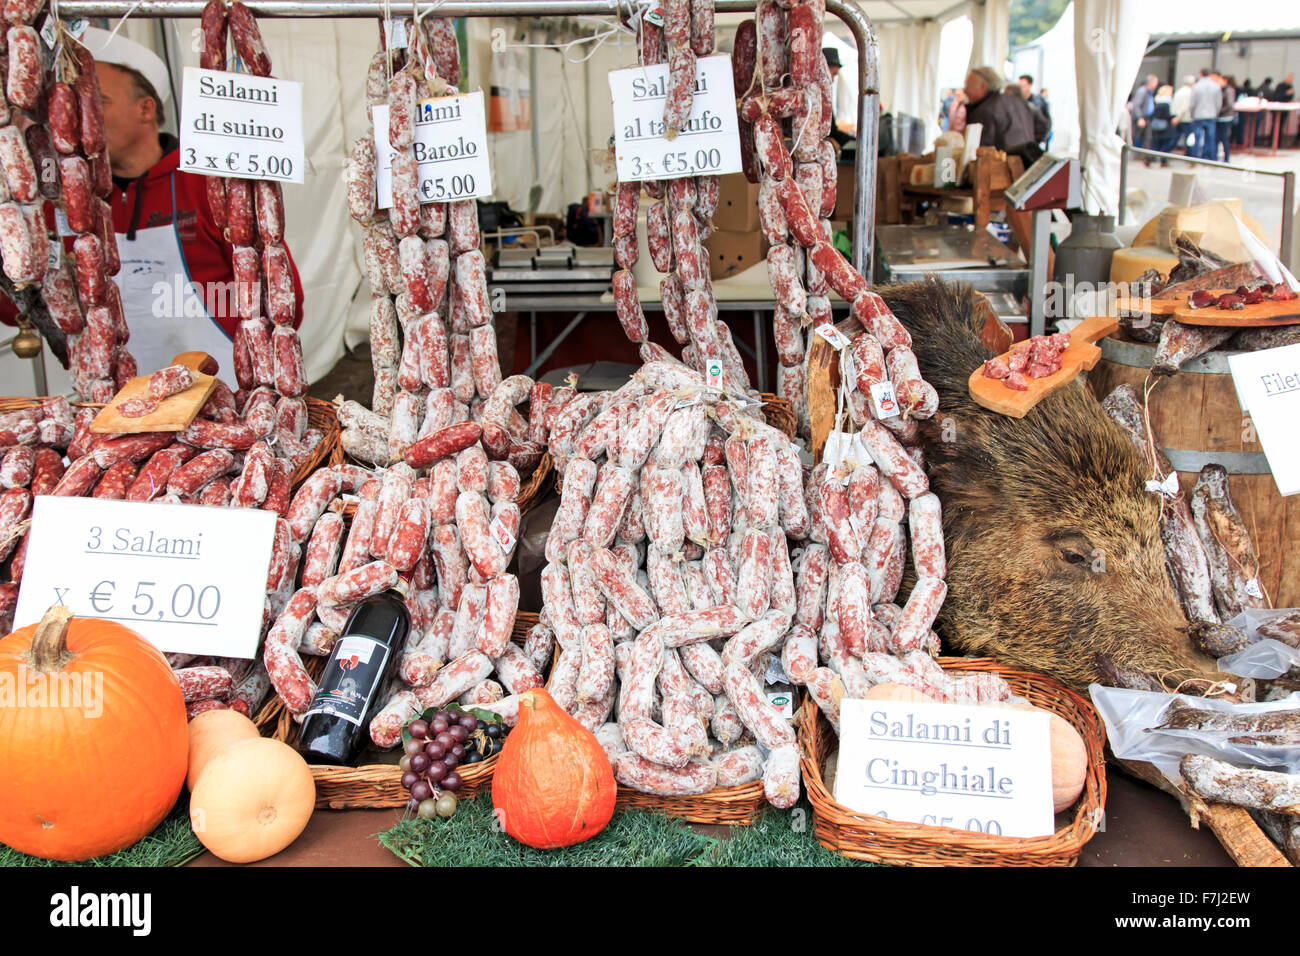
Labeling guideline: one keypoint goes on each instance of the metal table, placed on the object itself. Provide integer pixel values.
(585, 305)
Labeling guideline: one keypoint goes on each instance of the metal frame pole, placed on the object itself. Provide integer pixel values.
(864, 35)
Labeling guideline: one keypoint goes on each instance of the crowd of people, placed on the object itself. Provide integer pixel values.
(1201, 116)
(1014, 118)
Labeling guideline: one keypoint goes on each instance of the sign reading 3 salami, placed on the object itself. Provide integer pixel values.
(190, 580)
(450, 149)
(243, 126)
(709, 143)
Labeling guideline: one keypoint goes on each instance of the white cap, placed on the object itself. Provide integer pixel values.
(120, 51)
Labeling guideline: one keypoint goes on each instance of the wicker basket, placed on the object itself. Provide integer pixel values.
(534, 489)
(780, 414)
(375, 785)
(320, 414)
(865, 837)
(724, 806)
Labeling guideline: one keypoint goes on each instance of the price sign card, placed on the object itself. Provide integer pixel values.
(240, 125)
(189, 579)
(450, 148)
(1268, 387)
(972, 768)
(710, 143)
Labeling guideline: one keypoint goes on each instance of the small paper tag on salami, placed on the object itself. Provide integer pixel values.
(833, 335)
(713, 373)
(61, 222)
(883, 401)
(55, 254)
(74, 27)
(1168, 487)
(775, 673)
(501, 534)
(839, 445)
(782, 700)
(396, 34)
(1253, 588)
(654, 13)
(687, 402)
(746, 401)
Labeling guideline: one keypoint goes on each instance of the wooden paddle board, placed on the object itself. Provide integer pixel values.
(1081, 354)
(173, 413)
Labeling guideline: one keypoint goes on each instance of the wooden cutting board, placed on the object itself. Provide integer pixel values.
(1081, 354)
(173, 413)
(1252, 316)
(1140, 306)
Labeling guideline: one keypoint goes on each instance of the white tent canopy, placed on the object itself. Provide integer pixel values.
(564, 155)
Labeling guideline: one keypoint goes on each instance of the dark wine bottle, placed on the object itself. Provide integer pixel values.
(361, 665)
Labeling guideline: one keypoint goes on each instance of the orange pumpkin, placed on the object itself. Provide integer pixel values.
(92, 737)
(553, 785)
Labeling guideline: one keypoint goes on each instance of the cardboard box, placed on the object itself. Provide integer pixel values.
(732, 252)
(737, 204)
(844, 173)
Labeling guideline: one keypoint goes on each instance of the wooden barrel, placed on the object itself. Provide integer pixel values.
(1197, 420)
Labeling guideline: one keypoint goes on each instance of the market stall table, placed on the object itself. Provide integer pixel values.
(1143, 828)
(1254, 108)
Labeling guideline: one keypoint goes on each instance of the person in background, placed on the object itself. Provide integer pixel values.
(1181, 108)
(840, 137)
(1010, 124)
(165, 231)
(1036, 100)
(1284, 92)
(957, 112)
(1140, 107)
(1163, 130)
(1207, 99)
(1227, 115)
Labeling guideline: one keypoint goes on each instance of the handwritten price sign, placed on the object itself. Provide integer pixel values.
(236, 124)
(190, 579)
(708, 146)
(450, 148)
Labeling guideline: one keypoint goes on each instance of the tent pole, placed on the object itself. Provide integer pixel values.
(864, 36)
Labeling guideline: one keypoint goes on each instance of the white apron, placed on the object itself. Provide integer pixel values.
(164, 309)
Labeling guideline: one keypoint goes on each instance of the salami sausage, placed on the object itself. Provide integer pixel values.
(247, 39)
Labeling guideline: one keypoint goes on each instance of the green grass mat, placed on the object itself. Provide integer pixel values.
(779, 838)
(473, 838)
(170, 844)
(633, 838)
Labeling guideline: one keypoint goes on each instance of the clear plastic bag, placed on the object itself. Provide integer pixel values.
(1130, 715)
(1265, 658)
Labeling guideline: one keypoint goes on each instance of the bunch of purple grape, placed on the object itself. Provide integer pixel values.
(437, 747)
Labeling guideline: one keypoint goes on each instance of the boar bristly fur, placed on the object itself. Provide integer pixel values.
(1054, 551)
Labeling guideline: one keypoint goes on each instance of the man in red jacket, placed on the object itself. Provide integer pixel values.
(177, 280)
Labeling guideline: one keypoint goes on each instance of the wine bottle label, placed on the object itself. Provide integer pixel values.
(351, 678)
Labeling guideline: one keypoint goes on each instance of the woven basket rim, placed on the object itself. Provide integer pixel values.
(1067, 841)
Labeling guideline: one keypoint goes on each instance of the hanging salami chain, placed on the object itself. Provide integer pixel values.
(866, 508)
(268, 359)
(432, 333)
(680, 216)
(52, 148)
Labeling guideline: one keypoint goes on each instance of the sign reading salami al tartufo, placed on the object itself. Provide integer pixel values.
(450, 149)
(190, 580)
(709, 145)
(241, 126)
